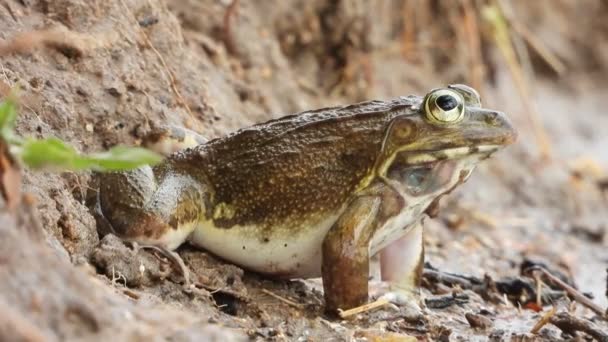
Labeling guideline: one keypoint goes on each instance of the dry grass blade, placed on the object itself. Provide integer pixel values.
(363, 308)
(502, 36)
(282, 299)
(408, 34)
(471, 30)
(540, 48)
(577, 295)
(543, 320)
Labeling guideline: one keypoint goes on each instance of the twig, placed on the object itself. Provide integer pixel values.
(224, 290)
(282, 299)
(571, 324)
(363, 308)
(576, 294)
(160, 57)
(131, 294)
(449, 279)
(442, 302)
(543, 320)
(539, 288)
(117, 276)
(408, 34)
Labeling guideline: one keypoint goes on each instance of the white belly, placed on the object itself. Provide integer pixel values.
(285, 253)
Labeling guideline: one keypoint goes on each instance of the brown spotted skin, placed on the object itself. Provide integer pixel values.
(274, 172)
(311, 163)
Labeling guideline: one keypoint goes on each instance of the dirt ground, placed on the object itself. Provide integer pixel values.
(99, 73)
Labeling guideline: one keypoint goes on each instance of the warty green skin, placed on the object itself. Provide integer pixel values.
(310, 193)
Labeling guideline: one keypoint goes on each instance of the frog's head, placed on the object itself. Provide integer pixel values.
(435, 147)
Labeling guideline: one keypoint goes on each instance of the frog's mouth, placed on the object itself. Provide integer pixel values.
(423, 157)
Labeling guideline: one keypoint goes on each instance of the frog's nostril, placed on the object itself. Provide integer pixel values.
(446, 102)
(492, 118)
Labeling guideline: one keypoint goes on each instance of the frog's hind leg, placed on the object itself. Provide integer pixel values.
(137, 208)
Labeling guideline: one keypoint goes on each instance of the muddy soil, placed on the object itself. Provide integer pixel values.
(105, 72)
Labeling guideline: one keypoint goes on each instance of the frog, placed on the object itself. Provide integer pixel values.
(317, 193)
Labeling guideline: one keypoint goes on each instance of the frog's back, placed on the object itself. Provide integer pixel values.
(293, 168)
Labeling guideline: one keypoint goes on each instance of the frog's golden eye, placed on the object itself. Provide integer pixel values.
(444, 106)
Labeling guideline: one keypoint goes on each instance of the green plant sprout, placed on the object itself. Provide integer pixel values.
(53, 153)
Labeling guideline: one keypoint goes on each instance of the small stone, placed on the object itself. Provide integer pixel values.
(478, 321)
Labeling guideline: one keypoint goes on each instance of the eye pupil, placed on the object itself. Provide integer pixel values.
(446, 102)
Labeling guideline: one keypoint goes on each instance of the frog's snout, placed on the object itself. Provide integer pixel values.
(496, 126)
(502, 122)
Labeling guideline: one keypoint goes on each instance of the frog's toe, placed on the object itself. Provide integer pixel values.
(401, 298)
(174, 258)
(407, 302)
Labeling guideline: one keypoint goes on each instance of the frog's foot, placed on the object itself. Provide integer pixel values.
(167, 139)
(406, 300)
(174, 258)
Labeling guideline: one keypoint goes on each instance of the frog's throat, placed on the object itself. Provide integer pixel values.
(425, 157)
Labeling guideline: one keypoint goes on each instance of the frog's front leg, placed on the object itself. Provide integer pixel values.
(345, 266)
(346, 255)
(401, 265)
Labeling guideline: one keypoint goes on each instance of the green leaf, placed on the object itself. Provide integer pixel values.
(50, 152)
(8, 116)
(124, 158)
(8, 113)
(55, 154)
